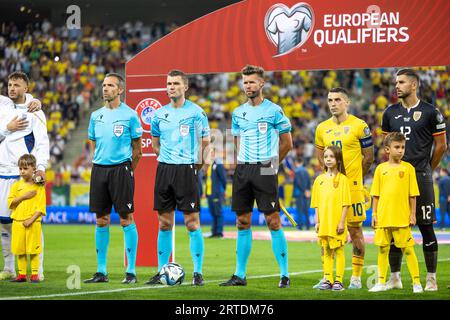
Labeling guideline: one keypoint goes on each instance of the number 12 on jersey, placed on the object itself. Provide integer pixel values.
(406, 131)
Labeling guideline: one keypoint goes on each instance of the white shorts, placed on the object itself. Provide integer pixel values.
(5, 187)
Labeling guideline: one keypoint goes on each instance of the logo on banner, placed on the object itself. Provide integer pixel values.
(289, 28)
(146, 110)
(118, 130)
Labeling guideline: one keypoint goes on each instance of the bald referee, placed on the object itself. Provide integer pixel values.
(263, 137)
(180, 135)
(115, 131)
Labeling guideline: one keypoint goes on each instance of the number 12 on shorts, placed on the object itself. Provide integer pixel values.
(426, 211)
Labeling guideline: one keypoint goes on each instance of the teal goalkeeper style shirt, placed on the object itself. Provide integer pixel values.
(180, 131)
(112, 131)
(259, 128)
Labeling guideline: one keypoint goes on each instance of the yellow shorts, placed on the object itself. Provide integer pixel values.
(403, 237)
(331, 242)
(357, 211)
(26, 240)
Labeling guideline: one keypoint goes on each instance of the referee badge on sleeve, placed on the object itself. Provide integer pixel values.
(184, 130)
(118, 130)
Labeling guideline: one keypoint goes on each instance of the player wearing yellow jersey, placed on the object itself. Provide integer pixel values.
(394, 192)
(353, 136)
(331, 200)
(27, 202)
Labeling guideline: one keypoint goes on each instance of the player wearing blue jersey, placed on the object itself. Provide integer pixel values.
(263, 138)
(115, 131)
(180, 135)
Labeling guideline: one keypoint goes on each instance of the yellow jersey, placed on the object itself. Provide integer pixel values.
(394, 184)
(352, 135)
(27, 208)
(329, 195)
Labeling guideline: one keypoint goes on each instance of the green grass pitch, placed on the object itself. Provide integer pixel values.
(73, 245)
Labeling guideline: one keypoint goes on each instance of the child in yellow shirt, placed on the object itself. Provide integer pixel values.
(27, 202)
(394, 192)
(331, 200)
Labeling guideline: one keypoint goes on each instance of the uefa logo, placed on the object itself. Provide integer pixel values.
(146, 110)
(289, 28)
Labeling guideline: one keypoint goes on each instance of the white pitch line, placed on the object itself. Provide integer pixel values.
(162, 286)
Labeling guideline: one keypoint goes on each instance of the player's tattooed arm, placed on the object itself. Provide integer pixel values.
(319, 156)
(440, 146)
(368, 158)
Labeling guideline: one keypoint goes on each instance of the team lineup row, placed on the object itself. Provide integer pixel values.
(262, 136)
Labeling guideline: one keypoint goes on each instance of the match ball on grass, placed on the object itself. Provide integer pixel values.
(172, 274)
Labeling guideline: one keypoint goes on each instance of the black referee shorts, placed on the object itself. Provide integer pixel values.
(112, 185)
(255, 182)
(177, 186)
(425, 206)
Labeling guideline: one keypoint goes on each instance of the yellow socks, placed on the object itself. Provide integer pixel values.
(383, 262)
(340, 263)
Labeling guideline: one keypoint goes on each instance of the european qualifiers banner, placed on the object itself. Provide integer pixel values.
(305, 35)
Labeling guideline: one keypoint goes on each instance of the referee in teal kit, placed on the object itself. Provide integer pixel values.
(178, 130)
(115, 131)
(262, 135)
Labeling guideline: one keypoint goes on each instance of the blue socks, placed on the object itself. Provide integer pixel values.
(131, 243)
(101, 246)
(243, 248)
(280, 249)
(164, 247)
(197, 247)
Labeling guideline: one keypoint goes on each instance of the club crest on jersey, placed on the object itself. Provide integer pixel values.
(346, 129)
(417, 115)
(118, 130)
(184, 130)
(262, 127)
(401, 174)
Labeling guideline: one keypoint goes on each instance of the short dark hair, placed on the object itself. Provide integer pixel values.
(179, 73)
(19, 75)
(409, 73)
(250, 69)
(121, 80)
(27, 160)
(339, 90)
(394, 136)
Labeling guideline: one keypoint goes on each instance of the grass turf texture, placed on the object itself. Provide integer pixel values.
(67, 245)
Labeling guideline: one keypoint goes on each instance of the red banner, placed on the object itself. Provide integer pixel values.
(311, 35)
